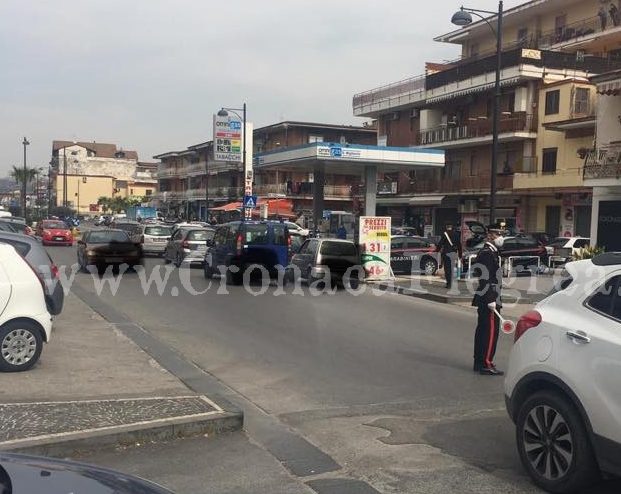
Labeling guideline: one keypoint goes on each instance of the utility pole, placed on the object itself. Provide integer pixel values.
(24, 179)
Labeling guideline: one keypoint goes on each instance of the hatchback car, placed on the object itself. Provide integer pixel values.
(410, 254)
(562, 386)
(108, 247)
(242, 244)
(38, 258)
(54, 232)
(526, 254)
(188, 246)
(133, 228)
(154, 238)
(338, 261)
(25, 323)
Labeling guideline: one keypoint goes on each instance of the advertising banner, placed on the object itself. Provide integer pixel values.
(227, 138)
(375, 246)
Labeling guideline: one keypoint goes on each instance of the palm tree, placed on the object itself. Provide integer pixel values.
(17, 173)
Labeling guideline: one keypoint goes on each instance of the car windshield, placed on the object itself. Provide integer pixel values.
(338, 249)
(55, 225)
(158, 231)
(104, 237)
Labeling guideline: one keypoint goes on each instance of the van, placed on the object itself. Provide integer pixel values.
(242, 244)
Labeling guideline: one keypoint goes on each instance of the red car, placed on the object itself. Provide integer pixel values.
(54, 232)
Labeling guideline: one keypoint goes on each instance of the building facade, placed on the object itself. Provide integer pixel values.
(82, 172)
(603, 166)
(547, 121)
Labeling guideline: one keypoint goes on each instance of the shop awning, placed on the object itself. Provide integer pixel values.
(231, 206)
(275, 207)
(426, 200)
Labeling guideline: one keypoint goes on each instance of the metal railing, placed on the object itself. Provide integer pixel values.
(521, 122)
(304, 189)
(167, 171)
(439, 185)
(604, 162)
(571, 32)
(411, 85)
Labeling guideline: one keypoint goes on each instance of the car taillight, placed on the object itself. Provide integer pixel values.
(54, 271)
(239, 244)
(185, 244)
(142, 239)
(529, 320)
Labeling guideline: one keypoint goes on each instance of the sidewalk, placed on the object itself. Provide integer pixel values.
(516, 289)
(93, 387)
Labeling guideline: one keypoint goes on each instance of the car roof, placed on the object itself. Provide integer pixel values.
(20, 237)
(337, 240)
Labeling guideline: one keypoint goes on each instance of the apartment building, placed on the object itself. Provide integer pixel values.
(191, 178)
(547, 125)
(603, 165)
(90, 170)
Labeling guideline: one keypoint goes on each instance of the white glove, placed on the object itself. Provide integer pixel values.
(491, 306)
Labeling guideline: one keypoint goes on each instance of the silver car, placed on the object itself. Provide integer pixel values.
(188, 246)
(154, 238)
(321, 259)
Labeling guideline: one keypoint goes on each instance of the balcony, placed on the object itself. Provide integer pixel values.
(577, 33)
(195, 169)
(167, 172)
(583, 116)
(407, 92)
(603, 166)
(558, 179)
(479, 131)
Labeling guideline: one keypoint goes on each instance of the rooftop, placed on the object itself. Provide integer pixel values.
(101, 149)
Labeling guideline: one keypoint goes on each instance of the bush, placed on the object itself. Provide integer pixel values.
(587, 253)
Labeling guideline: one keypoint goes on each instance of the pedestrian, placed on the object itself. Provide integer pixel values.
(449, 247)
(603, 17)
(341, 232)
(614, 14)
(289, 183)
(487, 300)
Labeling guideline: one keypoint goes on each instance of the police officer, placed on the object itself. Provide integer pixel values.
(487, 300)
(449, 246)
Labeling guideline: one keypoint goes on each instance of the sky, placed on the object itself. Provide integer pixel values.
(148, 75)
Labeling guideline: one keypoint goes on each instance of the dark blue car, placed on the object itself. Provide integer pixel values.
(242, 244)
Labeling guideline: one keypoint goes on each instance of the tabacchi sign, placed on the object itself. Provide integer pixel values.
(227, 138)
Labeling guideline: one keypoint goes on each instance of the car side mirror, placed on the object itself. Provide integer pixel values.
(81, 242)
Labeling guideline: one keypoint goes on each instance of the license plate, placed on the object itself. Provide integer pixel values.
(59, 238)
(111, 260)
(161, 240)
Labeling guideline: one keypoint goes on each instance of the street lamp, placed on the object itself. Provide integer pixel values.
(463, 17)
(24, 179)
(223, 113)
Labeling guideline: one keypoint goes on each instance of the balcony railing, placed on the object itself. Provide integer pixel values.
(195, 169)
(414, 84)
(521, 122)
(167, 172)
(571, 32)
(603, 163)
(460, 184)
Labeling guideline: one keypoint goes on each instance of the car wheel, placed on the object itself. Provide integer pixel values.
(429, 266)
(233, 278)
(554, 445)
(20, 346)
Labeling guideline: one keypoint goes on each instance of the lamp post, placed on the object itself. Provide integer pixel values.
(65, 198)
(223, 113)
(462, 18)
(206, 187)
(24, 179)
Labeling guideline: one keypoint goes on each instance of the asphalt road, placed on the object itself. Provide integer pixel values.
(381, 383)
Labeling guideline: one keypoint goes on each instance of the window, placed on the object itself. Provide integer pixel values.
(315, 138)
(199, 235)
(131, 192)
(606, 299)
(397, 244)
(549, 160)
(415, 243)
(582, 100)
(581, 243)
(158, 231)
(522, 36)
(329, 248)
(255, 234)
(280, 236)
(552, 102)
(148, 192)
(22, 248)
(473, 164)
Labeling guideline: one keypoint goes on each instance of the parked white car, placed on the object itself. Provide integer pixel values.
(297, 229)
(562, 249)
(154, 238)
(563, 382)
(25, 323)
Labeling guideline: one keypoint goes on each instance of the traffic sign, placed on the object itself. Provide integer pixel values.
(250, 202)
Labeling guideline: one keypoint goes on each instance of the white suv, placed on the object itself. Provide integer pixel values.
(563, 383)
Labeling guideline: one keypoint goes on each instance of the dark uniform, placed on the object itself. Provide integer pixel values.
(487, 269)
(448, 250)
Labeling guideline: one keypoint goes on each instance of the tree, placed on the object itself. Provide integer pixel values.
(17, 174)
(105, 203)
